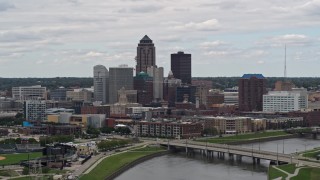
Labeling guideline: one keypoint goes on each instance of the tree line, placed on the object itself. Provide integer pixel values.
(218, 82)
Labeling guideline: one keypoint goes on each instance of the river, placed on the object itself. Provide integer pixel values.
(180, 167)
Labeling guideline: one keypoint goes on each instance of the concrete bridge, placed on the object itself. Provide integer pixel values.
(208, 150)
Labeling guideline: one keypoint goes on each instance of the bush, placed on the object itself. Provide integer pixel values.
(25, 171)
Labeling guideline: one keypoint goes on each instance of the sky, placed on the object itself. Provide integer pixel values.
(66, 38)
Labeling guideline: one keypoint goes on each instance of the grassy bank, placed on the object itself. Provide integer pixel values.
(309, 173)
(311, 153)
(8, 173)
(16, 158)
(244, 137)
(111, 164)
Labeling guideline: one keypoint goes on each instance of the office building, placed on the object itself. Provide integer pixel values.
(35, 110)
(252, 87)
(283, 86)
(59, 94)
(80, 95)
(146, 55)
(157, 75)
(285, 101)
(231, 98)
(229, 125)
(23, 93)
(170, 89)
(101, 84)
(119, 77)
(181, 66)
(168, 129)
(186, 92)
(143, 83)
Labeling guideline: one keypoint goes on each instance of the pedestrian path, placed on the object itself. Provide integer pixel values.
(296, 172)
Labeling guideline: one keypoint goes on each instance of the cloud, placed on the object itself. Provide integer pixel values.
(94, 54)
(5, 6)
(288, 39)
(208, 25)
(213, 44)
(217, 53)
(260, 62)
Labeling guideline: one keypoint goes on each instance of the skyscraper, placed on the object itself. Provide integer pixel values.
(181, 66)
(146, 55)
(143, 83)
(157, 75)
(101, 84)
(119, 77)
(252, 87)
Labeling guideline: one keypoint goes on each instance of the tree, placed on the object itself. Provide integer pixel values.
(92, 130)
(210, 131)
(123, 130)
(107, 130)
(25, 171)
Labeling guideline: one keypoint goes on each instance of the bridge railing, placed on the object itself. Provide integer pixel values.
(232, 147)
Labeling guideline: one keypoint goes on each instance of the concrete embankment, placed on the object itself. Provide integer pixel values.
(134, 163)
(274, 138)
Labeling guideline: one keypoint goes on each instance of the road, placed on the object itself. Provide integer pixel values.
(95, 160)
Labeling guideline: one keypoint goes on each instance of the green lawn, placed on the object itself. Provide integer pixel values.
(244, 137)
(16, 158)
(308, 173)
(290, 168)
(8, 173)
(312, 153)
(113, 163)
(274, 173)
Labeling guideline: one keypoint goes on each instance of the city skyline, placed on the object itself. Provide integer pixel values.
(225, 38)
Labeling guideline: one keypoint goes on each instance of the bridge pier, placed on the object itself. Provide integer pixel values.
(221, 155)
(239, 158)
(253, 160)
(258, 160)
(231, 156)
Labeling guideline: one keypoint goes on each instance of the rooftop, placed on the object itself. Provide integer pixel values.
(248, 76)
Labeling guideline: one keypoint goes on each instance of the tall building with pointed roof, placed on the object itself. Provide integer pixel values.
(146, 55)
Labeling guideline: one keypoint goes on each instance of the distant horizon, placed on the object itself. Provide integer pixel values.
(165, 76)
(225, 38)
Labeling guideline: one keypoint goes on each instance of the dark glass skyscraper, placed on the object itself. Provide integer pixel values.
(181, 66)
(146, 55)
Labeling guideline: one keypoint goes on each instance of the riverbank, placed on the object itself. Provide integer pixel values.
(114, 165)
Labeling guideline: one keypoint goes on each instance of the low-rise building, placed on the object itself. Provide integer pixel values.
(228, 125)
(168, 129)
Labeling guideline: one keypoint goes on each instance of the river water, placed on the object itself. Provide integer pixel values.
(180, 167)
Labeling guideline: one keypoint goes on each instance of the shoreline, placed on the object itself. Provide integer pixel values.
(134, 163)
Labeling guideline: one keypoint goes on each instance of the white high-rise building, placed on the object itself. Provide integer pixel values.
(285, 101)
(23, 93)
(101, 84)
(35, 110)
(157, 75)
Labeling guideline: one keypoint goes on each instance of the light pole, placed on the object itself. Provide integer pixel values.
(283, 146)
(259, 143)
(277, 155)
(305, 149)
